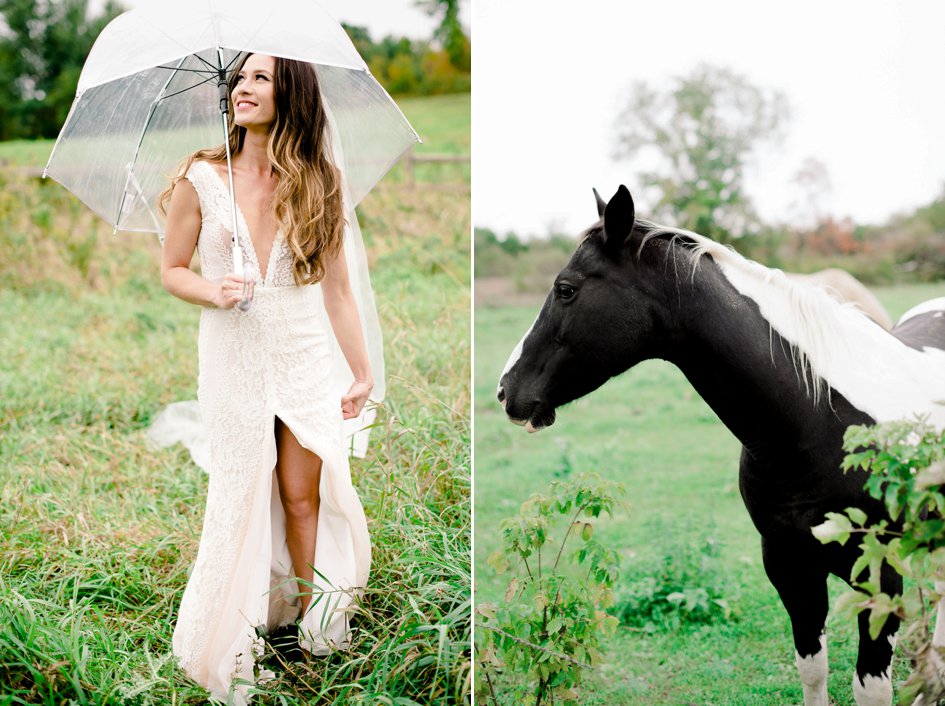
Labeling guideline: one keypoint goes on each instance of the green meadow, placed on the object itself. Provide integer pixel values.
(99, 530)
(649, 430)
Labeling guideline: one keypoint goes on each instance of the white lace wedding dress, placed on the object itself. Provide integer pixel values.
(272, 361)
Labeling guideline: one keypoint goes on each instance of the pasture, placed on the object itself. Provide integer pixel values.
(651, 431)
(99, 530)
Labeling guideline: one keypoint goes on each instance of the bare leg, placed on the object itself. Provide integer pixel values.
(298, 471)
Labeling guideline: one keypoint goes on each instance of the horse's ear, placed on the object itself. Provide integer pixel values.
(618, 220)
(601, 204)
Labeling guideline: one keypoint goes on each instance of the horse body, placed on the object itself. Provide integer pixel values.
(785, 368)
(844, 287)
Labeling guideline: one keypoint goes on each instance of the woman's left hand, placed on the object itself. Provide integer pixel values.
(353, 402)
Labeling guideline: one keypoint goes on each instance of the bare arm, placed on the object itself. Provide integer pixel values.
(180, 240)
(346, 323)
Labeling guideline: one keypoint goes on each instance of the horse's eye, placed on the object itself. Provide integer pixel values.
(564, 291)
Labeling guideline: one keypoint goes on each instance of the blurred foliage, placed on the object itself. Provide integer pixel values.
(410, 67)
(449, 33)
(907, 248)
(531, 265)
(43, 44)
(698, 136)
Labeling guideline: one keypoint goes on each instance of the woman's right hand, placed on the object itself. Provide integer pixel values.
(230, 292)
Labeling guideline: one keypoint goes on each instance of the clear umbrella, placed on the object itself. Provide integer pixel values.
(150, 93)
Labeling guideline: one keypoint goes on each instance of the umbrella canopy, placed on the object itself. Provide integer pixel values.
(148, 96)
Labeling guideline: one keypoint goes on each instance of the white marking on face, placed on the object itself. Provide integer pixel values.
(813, 673)
(873, 691)
(530, 429)
(517, 351)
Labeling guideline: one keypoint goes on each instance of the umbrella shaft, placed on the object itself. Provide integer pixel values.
(224, 111)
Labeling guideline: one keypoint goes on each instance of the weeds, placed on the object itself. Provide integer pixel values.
(534, 646)
(684, 585)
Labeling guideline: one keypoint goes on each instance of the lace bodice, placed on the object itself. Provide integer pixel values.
(214, 242)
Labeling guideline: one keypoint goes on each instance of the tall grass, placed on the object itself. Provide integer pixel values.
(99, 530)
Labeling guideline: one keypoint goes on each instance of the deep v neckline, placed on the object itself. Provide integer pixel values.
(242, 223)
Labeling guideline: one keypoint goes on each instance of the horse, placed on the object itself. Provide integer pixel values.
(844, 287)
(786, 368)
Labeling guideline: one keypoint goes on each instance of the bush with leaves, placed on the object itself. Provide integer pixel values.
(532, 648)
(684, 585)
(906, 461)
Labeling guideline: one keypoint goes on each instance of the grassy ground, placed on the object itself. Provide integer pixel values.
(649, 430)
(99, 530)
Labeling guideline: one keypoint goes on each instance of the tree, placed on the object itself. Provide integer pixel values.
(449, 33)
(812, 180)
(43, 45)
(697, 139)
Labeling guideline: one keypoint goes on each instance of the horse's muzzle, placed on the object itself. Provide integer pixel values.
(535, 419)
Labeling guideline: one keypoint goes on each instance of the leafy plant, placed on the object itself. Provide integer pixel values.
(907, 464)
(683, 586)
(549, 629)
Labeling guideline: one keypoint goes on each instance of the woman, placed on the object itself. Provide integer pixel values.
(279, 477)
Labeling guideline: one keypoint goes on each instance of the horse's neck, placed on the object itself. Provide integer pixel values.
(745, 371)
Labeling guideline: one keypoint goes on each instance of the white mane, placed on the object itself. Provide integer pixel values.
(834, 345)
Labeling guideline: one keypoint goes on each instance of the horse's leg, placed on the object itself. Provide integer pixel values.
(802, 585)
(872, 681)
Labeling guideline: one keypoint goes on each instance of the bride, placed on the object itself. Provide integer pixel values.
(284, 542)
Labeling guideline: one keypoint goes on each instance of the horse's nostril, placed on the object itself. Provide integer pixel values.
(500, 393)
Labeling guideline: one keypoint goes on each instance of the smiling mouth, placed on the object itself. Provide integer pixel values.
(245, 104)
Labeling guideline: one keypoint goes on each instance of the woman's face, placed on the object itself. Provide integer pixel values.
(253, 96)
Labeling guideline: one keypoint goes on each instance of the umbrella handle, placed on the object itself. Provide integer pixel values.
(247, 300)
(239, 268)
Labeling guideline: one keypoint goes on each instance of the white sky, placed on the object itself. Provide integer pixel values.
(382, 17)
(865, 81)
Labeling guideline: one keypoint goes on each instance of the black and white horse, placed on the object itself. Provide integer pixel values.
(787, 370)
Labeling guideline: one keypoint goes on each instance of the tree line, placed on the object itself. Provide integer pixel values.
(693, 141)
(44, 43)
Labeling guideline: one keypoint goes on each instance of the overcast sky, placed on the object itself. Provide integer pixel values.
(865, 81)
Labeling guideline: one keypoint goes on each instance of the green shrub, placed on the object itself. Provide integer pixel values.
(533, 648)
(684, 585)
(906, 461)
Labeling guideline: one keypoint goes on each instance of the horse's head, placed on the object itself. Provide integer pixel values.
(598, 320)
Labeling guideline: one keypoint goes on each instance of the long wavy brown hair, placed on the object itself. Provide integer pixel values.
(307, 202)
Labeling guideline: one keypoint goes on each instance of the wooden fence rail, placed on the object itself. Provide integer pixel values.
(409, 161)
(414, 158)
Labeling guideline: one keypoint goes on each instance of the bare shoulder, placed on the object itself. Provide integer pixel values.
(183, 198)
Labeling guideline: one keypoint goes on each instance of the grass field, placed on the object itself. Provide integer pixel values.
(99, 530)
(649, 430)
